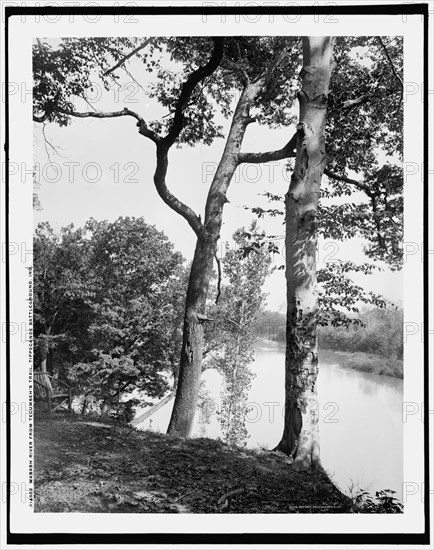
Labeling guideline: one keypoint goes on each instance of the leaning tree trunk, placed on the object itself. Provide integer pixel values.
(190, 369)
(300, 435)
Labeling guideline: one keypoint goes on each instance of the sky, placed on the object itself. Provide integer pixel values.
(103, 168)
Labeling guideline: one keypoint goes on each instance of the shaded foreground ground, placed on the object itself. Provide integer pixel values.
(83, 465)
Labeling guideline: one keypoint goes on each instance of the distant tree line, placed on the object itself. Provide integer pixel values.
(376, 331)
(380, 332)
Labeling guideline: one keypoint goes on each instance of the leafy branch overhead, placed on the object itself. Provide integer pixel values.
(195, 83)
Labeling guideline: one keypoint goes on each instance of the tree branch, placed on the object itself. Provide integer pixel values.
(126, 57)
(361, 100)
(175, 204)
(187, 89)
(392, 66)
(266, 75)
(219, 278)
(377, 222)
(234, 67)
(43, 117)
(358, 184)
(280, 154)
(143, 127)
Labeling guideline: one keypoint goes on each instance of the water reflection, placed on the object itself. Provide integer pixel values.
(360, 417)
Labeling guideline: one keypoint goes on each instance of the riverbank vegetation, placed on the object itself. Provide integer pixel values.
(374, 344)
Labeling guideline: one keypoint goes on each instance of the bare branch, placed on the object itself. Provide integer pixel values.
(187, 89)
(175, 204)
(126, 57)
(255, 158)
(143, 127)
(47, 142)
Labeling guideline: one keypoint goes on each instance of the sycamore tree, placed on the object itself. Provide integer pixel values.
(231, 335)
(350, 95)
(350, 130)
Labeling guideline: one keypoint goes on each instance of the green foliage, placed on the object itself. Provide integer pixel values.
(230, 338)
(119, 314)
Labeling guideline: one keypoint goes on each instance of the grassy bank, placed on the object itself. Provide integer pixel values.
(374, 364)
(86, 466)
(366, 362)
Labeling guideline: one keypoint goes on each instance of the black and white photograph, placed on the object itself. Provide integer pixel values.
(217, 274)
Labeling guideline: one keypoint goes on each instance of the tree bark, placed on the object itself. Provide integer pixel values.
(300, 435)
(187, 392)
(184, 408)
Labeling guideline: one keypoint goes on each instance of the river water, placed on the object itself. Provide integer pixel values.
(360, 418)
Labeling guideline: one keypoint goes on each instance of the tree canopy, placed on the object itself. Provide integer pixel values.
(112, 295)
(192, 80)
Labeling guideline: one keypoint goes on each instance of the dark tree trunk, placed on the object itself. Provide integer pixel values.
(184, 408)
(300, 436)
(84, 406)
(190, 369)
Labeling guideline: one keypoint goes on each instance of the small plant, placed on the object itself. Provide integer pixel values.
(384, 502)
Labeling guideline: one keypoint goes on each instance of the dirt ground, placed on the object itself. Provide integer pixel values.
(82, 465)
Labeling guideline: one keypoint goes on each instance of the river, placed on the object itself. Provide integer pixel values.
(360, 418)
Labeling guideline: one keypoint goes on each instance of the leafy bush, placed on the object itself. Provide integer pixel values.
(384, 502)
(109, 301)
